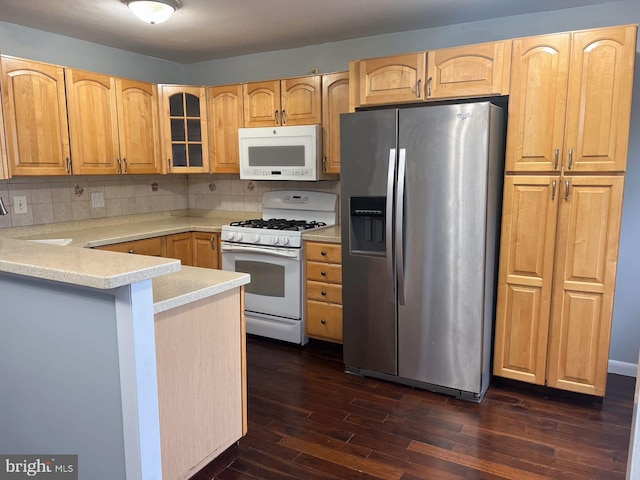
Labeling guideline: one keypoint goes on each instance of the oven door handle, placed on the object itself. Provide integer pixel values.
(265, 251)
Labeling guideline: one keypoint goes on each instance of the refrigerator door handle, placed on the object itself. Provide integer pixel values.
(391, 178)
(400, 224)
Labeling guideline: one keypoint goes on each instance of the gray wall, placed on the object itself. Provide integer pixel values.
(329, 57)
(60, 377)
(33, 44)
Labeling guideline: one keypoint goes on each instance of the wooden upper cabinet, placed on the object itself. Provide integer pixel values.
(599, 99)
(388, 80)
(293, 101)
(525, 277)
(570, 101)
(535, 132)
(36, 118)
(469, 71)
(335, 101)
(93, 122)
(4, 168)
(262, 104)
(301, 100)
(225, 106)
(184, 129)
(139, 131)
(587, 252)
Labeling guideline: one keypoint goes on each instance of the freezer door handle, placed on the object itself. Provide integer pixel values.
(391, 178)
(399, 224)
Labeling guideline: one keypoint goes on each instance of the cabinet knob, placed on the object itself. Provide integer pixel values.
(324, 274)
(323, 253)
(323, 293)
(132, 251)
(323, 321)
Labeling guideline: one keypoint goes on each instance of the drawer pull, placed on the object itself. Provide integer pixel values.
(323, 253)
(323, 321)
(324, 274)
(323, 293)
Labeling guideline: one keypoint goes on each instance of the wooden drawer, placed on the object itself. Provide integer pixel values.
(324, 320)
(324, 292)
(155, 247)
(323, 252)
(324, 272)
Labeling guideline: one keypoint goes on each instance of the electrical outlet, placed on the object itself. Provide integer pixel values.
(97, 200)
(20, 204)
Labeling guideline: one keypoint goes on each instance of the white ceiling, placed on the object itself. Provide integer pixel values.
(208, 29)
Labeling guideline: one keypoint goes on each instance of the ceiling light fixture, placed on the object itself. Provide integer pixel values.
(153, 11)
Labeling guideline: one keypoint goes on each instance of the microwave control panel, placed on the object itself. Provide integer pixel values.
(284, 174)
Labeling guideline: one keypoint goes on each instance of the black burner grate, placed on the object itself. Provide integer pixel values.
(278, 224)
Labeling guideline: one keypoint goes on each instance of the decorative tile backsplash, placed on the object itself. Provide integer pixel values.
(61, 199)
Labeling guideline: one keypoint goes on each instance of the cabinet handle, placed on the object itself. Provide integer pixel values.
(126, 165)
(553, 190)
(284, 117)
(168, 164)
(323, 321)
(324, 164)
(555, 165)
(68, 164)
(211, 241)
(419, 88)
(276, 116)
(429, 86)
(566, 194)
(324, 274)
(119, 162)
(570, 158)
(323, 293)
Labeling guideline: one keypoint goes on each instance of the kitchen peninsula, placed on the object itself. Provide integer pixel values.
(132, 362)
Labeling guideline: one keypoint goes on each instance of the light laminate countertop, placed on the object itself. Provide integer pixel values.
(79, 266)
(103, 269)
(173, 285)
(191, 284)
(328, 235)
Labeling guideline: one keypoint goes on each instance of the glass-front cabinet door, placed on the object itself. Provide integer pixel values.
(184, 118)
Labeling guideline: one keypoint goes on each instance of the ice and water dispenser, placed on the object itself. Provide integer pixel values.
(367, 215)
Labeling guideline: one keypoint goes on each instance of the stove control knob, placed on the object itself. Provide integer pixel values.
(275, 240)
(285, 240)
(256, 238)
(229, 236)
(239, 237)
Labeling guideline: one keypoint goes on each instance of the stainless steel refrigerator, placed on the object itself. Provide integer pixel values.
(420, 207)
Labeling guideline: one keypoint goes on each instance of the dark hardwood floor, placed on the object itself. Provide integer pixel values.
(310, 420)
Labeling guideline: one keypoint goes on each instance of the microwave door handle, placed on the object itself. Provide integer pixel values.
(391, 178)
(264, 251)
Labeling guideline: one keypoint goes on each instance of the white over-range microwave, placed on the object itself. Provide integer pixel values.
(281, 153)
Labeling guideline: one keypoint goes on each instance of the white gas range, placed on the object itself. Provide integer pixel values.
(270, 249)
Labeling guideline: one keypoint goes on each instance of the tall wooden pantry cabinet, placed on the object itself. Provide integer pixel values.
(568, 131)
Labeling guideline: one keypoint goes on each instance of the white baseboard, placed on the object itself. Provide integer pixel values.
(623, 368)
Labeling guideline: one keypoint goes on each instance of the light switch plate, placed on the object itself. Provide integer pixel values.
(20, 204)
(97, 200)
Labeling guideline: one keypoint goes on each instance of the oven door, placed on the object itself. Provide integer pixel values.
(276, 277)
